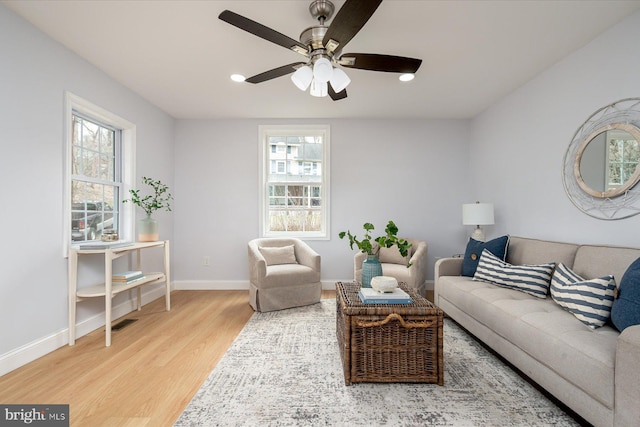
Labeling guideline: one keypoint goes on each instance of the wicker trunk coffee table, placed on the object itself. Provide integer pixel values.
(389, 342)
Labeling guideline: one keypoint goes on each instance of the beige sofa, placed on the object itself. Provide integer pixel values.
(596, 373)
(394, 265)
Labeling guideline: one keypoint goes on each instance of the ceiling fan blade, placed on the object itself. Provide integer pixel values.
(348, 21)
(337, 96)
(262, 31)
(276, 72)
(375, 62)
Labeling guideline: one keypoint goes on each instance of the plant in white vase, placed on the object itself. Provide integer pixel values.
(148, 227)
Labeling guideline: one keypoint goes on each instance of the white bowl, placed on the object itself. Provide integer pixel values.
(384, 283)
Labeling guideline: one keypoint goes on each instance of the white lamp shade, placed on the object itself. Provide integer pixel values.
(322, 70)
(477, 214)
(339, 80)
(302, 77)
(319, 88)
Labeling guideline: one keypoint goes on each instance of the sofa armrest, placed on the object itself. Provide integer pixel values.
(445, 267)
(627, 378)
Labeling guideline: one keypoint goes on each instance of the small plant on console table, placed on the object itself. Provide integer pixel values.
(148, 227)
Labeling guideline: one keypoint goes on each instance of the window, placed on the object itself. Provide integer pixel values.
(623, 157)
(294, 192)
(95, 178)
(99, 171)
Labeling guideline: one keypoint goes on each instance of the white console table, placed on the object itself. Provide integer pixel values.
(108, 290)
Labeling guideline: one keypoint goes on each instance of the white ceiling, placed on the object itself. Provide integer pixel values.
(178, 55)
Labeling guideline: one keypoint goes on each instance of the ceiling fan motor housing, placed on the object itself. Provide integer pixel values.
(322, 10)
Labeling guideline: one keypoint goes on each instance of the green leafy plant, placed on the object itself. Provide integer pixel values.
(151, 203)
(387, 240)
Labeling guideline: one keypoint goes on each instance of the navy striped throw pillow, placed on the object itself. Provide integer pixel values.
(589, 300)
(532, 279)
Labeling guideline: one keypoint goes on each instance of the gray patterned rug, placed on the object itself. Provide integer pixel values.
(284, 369)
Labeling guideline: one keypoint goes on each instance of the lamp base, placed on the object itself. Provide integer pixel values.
(478, 234)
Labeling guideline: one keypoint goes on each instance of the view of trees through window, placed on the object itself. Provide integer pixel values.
(295, 183)
(94, 183)
(623, 160)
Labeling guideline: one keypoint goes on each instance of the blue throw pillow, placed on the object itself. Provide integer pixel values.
(589, 300)
(531, 279)
(626, 307)
(497, 247)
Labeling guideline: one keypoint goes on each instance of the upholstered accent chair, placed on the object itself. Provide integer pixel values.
(284, 273)
(395, 265)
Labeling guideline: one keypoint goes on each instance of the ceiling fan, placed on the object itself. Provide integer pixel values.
(322, 46)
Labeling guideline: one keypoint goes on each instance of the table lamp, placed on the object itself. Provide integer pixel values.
(477, 214)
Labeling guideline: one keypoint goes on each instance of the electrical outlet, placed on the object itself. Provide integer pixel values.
(206, 261)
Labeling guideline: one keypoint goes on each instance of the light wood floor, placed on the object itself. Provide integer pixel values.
(152, 369)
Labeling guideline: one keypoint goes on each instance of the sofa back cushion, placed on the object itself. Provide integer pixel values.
(598, 261)
(523, 251)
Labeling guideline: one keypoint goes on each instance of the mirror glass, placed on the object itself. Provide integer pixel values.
(607, 162)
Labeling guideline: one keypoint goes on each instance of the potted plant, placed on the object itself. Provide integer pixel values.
(371, 266)
(148, 227)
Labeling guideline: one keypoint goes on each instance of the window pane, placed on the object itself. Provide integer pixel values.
(292, 164)
(94, 189)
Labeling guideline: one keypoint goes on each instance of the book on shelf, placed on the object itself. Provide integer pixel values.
(127, 276)
(397, 296)
(103, 245)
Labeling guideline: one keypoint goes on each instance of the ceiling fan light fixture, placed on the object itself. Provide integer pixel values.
(302, 77)
(319, 88)
(322, 70)
(339, 80)
(238, 78)
(407, 77)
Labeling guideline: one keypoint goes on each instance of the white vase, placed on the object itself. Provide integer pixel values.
(148, 230)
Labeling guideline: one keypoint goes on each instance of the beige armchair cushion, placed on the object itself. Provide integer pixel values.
(278, 255)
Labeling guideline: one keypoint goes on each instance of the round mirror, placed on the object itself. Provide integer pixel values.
(600, 170)
(606, 163)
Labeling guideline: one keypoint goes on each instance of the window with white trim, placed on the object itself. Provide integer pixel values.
(294, 190)
(99, 160)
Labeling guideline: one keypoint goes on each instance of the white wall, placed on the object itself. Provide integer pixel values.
(35, 72)
(411, 171)
(519, 143)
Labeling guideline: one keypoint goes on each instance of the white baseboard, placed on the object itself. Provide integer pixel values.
(230, 285)
(29, 352)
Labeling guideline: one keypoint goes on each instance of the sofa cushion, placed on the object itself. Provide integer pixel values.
(279, 255)
(589, 300)
(532, 279)
(542, 329)
(626, 307)
(497, 247)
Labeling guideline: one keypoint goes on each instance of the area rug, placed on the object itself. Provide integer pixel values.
(284, 369)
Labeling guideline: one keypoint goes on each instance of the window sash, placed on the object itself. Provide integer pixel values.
(294, 200)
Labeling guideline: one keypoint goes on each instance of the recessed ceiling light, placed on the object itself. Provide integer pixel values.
(406, 77)
(238, 77)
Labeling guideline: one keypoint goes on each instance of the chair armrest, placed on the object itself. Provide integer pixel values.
(307, 256)
(257, 264)
(418, 269)
(627, 378)
(445, 267)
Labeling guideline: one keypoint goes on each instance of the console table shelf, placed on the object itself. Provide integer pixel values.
(109, 289)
